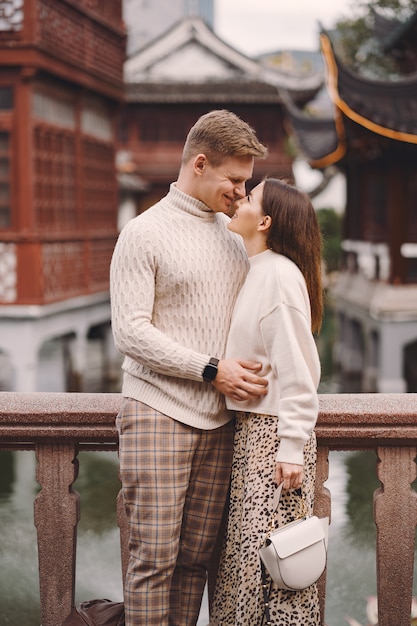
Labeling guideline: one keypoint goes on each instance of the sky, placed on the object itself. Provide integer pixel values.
(257, 26)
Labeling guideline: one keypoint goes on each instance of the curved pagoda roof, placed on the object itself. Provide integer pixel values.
(190, 63)
(386, 109)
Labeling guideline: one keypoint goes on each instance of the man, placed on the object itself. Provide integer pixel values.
(175, 275)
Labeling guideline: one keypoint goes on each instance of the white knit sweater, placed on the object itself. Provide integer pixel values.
(272, 325)
(175, 274)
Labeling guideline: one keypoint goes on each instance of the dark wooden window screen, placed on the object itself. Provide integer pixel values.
(5, 179)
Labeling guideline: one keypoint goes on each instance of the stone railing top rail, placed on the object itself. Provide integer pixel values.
(89, 417)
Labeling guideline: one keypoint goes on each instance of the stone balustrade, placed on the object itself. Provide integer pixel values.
(58, 425)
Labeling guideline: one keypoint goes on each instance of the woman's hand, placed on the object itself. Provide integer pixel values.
(290, 474)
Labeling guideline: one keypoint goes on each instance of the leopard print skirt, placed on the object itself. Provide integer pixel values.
(238, 597)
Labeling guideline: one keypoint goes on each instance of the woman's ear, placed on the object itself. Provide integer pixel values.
(265, 223)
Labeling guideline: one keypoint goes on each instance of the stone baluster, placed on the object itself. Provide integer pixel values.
(395, 514)
(57, 511)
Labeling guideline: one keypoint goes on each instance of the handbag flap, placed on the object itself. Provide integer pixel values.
(298, 535)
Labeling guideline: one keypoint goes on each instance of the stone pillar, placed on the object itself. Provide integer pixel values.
(24, 356)
(391, 371)
(75, 359)
(370, 369)
(112, 361)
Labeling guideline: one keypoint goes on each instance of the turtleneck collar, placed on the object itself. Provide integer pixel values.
(182, 201)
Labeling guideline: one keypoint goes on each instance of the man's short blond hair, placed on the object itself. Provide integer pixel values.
(220, 134)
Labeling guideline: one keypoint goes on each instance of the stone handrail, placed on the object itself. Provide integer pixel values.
(58, 425)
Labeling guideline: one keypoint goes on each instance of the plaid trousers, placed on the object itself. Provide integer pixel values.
(175, 481)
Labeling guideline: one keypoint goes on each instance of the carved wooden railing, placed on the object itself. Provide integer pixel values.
(58, 425)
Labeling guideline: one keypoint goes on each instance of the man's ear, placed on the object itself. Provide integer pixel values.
(265, 223)
(199, 163)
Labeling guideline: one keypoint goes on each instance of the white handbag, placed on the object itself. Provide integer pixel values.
(295, 555)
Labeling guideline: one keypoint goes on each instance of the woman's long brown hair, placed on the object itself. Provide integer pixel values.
(295, 233)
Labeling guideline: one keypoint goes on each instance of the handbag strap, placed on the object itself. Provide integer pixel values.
(266, 586)
(266, 590)
(277, 496)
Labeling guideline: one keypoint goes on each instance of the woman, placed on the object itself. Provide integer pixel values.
(278, 308)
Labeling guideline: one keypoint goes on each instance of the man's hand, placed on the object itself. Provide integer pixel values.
(235, 379)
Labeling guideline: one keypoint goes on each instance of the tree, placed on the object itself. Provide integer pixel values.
(356, 42)
(331, 229)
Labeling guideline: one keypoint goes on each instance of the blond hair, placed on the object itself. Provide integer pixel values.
(219, 134)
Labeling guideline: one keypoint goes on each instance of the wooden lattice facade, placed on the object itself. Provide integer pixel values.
(61, 86)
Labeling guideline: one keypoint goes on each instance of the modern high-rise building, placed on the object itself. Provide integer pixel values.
(146, 19)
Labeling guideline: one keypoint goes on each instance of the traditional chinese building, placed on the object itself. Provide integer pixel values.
(147, 20)
(61, 181)
(61, 86)
(183, 74)
(372, 138)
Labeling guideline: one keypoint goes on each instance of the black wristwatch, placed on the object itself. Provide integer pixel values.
(210, 371)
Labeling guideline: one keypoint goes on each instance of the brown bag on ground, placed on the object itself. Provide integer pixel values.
(97, 613)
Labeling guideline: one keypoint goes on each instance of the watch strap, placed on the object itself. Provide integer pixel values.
(210, 371)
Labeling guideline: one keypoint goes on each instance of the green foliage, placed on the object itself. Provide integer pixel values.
(395, 9)
(356, 44)
(331, 229)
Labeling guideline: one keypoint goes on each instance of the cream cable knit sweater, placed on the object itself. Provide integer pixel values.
(272, 325)
(174, 278)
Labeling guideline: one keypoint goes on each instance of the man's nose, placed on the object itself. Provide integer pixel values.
(240, 190)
